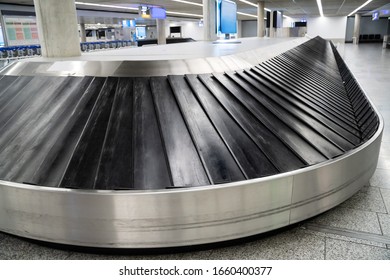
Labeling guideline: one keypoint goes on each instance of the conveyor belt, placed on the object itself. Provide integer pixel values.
(297, 109)
(177, 160)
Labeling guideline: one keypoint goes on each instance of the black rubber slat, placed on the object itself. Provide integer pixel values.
(219, 162)
(151, 170)
(371, 129)
(52, 168)
(253, 123)
(315, 68)
(314, 85)
(116, 161)
(329, 76)
(324, 137)
(184, 162)
(23, 110)
(289, 101)
(316, 121)
(276, 81)
(348, 124)
(20, 103)
(31, 146)
(82, 168)
(300, 132)
(5, 84)
(252, 161)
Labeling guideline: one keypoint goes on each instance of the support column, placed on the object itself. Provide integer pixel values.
(271, 25)
(83, 33)
(260, 19)
(2, 23)
(209, 18)
(57, 28)
(239, 29)
(161, 36)
(356, 29)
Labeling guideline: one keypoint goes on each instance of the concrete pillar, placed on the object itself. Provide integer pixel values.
(356, 29)
(209, 18)
(57, 28)
(83, 33)
(161, 36)
(271, 25)
(239, 28)
(260, 19)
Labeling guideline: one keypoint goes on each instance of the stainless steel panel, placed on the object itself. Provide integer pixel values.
(145, 219)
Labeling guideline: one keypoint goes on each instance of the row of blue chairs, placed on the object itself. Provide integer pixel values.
(20, 51)
(91, 46)
(31, 50)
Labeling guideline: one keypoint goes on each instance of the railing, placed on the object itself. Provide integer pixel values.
(93, 46)
(19, 51)
(13, 52)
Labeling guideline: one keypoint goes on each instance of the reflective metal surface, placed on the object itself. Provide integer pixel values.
(141, 62)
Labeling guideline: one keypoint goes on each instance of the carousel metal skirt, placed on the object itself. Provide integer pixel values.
(177, 160)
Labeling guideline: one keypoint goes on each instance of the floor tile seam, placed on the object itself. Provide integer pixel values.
(379, 221)
(380, 192)
(325, 247)
(355, 209)
(382, 169)
(340, 237)
(369, 236)
(365, 245)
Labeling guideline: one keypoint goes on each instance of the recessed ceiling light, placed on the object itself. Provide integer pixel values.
(106, 6)
(365, 4)
(245, 14)
(319, 4)
(184, 14)
(188, 2)
(249, 3)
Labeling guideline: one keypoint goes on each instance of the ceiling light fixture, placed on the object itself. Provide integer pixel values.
(106, 6)
(365, 4)
(249, 3)
(245, 14)
(319, 4)
(184, 14)
(188, 2)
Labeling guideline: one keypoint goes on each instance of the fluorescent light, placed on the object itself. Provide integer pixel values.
(249, 3)
(245, 14)
(184, 14)
(286, 16)
(106, 6)
(188, 2)
(136, 9)
(359, 7)
(319, 4)
(253, 4)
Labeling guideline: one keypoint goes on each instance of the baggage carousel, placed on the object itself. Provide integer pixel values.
(129, 161)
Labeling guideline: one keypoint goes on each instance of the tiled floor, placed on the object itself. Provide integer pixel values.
(357, 229)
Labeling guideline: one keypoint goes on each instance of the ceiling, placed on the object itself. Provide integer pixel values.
(292, 8)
